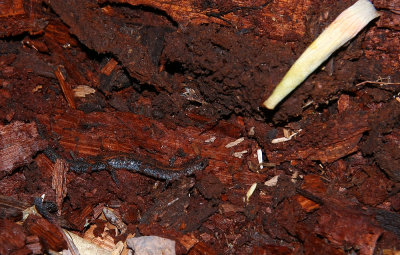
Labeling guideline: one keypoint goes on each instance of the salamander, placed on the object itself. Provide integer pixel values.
(133, 164)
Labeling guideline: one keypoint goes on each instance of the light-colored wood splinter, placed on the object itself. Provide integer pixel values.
(66, 88)
(341, 30)
(59, 182)
(109, 67)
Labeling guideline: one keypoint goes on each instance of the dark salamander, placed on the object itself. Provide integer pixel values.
(138, 166)
(135, 165)
(161, 173)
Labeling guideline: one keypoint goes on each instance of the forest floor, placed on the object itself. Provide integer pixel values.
(151, 111)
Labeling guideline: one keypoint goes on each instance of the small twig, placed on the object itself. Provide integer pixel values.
(66, 88)
(310, 196)
(377, 82)
(395, 11)
(59, 182)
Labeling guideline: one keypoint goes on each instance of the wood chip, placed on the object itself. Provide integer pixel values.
(109, 67)
(83, 90)
(234, 143)
(18, 143)
(272, 182)
(46, 231)
(66, 88)
(239, 154)
(59, 182)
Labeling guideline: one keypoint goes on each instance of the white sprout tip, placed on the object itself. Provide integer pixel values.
(250, 191)
(260, 158)
(341, 30)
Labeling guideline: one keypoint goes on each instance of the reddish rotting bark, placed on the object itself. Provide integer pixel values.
(48, 233)
(18, 143)
(101, 101)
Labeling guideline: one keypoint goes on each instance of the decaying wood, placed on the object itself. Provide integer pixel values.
(12, 236)
(242, 14)
(59, 182)
(18, 143)
(11, 8)
(11, 209)
(48, 233)
(155, 140)
(169, 82)
(45, 165)
(17, 17)
(133, 54)
(325, 141)
(13, 203)
(66, 88)
(364, 236)
(34, 245)
(80, 218)
(202, 248)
